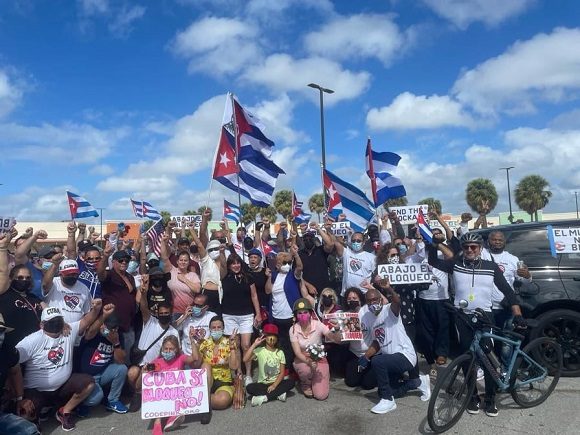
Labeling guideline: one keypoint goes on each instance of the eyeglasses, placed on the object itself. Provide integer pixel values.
(23, 278)
(470, 247)
(123, 261)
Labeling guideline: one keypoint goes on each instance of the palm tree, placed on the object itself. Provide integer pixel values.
(532, 194)
(249, 212)
(396, 202)
(269, 213)
(481, 195)
(283, 203)
(434, 204)
(190, 213)
(316, 204)
(166, 216)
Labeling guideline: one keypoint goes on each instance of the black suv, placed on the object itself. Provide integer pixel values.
(553, 297)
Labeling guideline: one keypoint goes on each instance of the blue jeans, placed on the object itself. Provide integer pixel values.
(114, 374)
(388, 368)
(10, 423)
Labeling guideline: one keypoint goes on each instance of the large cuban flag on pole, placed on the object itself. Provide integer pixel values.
(80, 207)
(380, 169)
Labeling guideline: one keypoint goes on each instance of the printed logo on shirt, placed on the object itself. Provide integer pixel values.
(99, 359)
(88, 276)
(355, 264)
(28, 306)
(55, 355)
(380, 335)
(71, 301)
(199, 333)
(501, 267)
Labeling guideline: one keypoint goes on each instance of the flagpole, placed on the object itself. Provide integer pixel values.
(236, 132)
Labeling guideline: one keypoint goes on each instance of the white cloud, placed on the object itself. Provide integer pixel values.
(277, 116)
(93, 7)
(490, 12)
(267, 8)
(409, 111)
(140, 186)
(360, 36)
(283, 73)
(295, 162)
(122, 23)
(104, 170)
(546, 68)
(11, 91)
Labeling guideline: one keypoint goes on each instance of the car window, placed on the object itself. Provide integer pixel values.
(533, 247)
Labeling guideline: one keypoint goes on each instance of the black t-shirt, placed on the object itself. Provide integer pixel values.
(315, 266)
(21, 313)
(8, 359)
(260, 279)
(237, 298)
(154, 298)
(96, 354)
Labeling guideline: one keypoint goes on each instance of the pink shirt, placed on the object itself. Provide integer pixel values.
(317, 331)
(182, 294)
(163, 366)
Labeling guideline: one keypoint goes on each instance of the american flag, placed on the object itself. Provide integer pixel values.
(154, 235)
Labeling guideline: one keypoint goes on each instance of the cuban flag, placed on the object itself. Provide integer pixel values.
(243, 161)
(424, 227)
(145, 210)
(232, 212)
(380, 169)
(299, 216)
(348, 199)
(80, 207)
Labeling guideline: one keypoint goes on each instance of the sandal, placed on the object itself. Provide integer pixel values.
(308, 394)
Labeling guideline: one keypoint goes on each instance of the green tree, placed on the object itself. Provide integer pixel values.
(249, 212)
(166, 216)
(396, 202)
(532, 194)
(202, 209)
(316, 204)
(283, 203)
(434, 204)
(190, 213)
(269, 213)
(481, 195)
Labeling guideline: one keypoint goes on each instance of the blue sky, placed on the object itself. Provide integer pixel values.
(118, 99)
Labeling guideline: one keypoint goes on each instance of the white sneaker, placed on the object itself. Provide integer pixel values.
(258, 400)
(384, 406)
(248, 380)
(480, 374)
(425, 387)
(282, 397)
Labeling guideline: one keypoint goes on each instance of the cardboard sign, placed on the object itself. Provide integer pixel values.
(408, 214)
(179, 392)
(340, 228)
(349, 324)
(6, 224)
(185, 221)
(564, 240)
(411, 273)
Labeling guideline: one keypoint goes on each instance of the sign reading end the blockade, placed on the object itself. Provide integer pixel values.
(412, 273)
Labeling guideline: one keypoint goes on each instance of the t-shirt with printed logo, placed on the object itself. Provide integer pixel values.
(73, 302)
(201, 326)
(21, 312)
(357, 267)
(96, 354)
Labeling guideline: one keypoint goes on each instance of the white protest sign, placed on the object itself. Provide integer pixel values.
(340, 228)
(566, 240)
(185, 221)
(411, 273)
(408, 214)
(6, 224)
(179, 392)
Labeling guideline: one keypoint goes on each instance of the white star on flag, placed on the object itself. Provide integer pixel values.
(224, 159)
(331, 191)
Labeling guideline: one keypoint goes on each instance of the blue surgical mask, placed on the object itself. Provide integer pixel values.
(46, 265)
(168, 356)
(403, 249)
(196, 311)
(132, 266)
(376, 308)
(216, 335)
(356, 246)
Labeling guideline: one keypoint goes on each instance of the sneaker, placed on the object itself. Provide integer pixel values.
(282, 397)
(248, 380)
(65, 420)
(174, 422)
(117, 406)
(82, 411)
(480, 374)
(206, 418)
(258, 400)
(157, 430)
(490, 408)
(384, 406)
(425, 387)
(44, 413)
(473, 407)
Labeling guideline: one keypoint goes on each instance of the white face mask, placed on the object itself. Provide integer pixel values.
(214, 255)
(285, 268)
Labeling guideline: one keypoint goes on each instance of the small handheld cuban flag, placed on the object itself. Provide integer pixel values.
(80, 207)
(232, 212)
(423, 226)
(145, 210)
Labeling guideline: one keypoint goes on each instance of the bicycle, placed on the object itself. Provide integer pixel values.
(530, 375)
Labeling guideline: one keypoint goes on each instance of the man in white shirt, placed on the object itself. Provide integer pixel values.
(47, 356)
(358, 265)
(196, 319)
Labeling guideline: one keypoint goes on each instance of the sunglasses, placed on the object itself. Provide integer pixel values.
(23, 278)
(286, 262)
(470, 247)
(356, 240)
(213, 249)
(123, 261)
(92, 258)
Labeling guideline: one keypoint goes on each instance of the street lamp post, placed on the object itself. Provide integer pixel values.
(576, 195)
(507, 172)
(321, 91)
(101, 216)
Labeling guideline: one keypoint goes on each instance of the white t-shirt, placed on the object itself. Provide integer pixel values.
(359, 347)
(388, 330)
(48, 361)
(199, 323)
(508, 264)
(151, 330)
(280, 307)
(357, 267)
(439, 288)
(210, 272)
(73, 302)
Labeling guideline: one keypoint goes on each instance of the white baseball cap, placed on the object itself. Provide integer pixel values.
(50, 313)
(68, 267)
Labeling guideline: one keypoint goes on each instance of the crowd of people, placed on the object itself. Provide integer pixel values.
(81, 323)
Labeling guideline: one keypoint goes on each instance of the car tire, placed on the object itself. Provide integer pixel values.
(563, 326)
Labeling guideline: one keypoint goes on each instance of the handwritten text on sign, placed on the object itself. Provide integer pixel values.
(412, 273)
(340, 228)
(185, 221)
(348, 323)
(6, 224)
(179, 392)
(567, 240)
(408, 215)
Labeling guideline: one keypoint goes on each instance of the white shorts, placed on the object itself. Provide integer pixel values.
(244, 324)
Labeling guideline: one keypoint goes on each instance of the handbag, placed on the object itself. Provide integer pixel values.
(239, 400)
(136, 355)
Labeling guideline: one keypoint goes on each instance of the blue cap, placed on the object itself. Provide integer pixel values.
(255, 251)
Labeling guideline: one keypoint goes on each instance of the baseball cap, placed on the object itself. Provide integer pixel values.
(302, 304)
(3, 325)
(213, 244)
(183, 241)
(152, 256)
(255, 251)
(119, 255)
(68, 267)
(50, 313)
(156, 271)
(46, 251)
(270, 328)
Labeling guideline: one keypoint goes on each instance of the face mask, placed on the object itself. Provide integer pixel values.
(91, 265)
(393, 260)
(327, 301)
(271, 340)
(168, 356)
(157, 282)
(376, 308)
(216, 335)
(285, 268)
(303, 318)
(214, 255)
(132, 266)
(69, 280)
(164, 319)
(403, 249)
(54, 326)
(105, 332)
(21, 286)
(46, 265)
(356, 246)
(352, 305)
(309, 243)
(196, 311)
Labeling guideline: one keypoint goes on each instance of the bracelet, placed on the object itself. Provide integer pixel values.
(18, 399)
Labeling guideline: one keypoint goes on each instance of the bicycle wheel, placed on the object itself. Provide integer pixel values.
(451, 393)
(545, 364)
